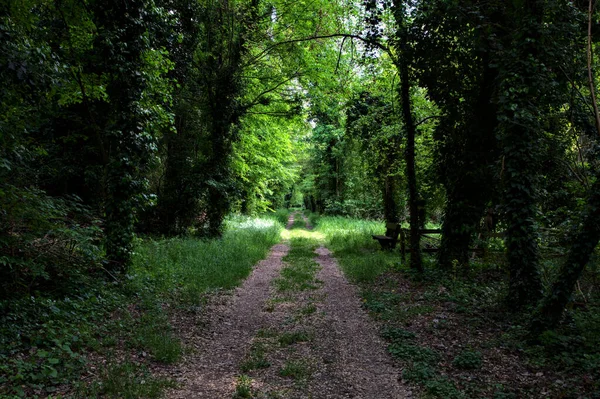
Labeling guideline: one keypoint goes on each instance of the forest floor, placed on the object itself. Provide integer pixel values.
(294, 329)
(450, 333)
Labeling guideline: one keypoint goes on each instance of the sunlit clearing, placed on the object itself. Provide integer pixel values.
(259, 224)
(301, 233)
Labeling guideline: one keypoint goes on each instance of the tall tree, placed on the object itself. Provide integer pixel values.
(453, 60)
(403, 62)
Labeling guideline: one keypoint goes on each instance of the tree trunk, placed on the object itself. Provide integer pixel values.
(550, 310)
(520, 132)
(411, 176)
(471, 181)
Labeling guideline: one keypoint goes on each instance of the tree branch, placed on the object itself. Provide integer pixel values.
(426, 119)
(590, 74)
(372, 42)
(256, 99)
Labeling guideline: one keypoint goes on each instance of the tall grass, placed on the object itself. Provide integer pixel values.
(188, 267)
(359, 254)
(281, 215)
(345, 235)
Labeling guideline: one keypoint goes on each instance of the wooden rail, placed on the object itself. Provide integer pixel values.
(405, 233)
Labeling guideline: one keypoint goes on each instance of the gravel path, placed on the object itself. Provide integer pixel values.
(212, 373)
(357, 364)
(345, 355)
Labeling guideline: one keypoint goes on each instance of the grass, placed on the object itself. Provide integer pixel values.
(308, 309)
(360, 256)
(280, 215)
(296, 369)
(299, 273)
(256, 358)
(293, 337)
(127, 381)
(243, 388)
(463, 314)
(44, 341)
(189, 267)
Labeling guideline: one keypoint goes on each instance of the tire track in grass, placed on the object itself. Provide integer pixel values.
(318, 342)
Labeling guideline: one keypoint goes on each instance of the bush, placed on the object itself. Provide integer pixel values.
(46, 243)
(467, 360)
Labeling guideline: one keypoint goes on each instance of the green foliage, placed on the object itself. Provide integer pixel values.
(187, 267)
(467, 360)
(128, 381)
(44, 340)
(45, 242)
(243, 387)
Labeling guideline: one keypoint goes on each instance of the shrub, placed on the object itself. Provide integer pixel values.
(467, 360)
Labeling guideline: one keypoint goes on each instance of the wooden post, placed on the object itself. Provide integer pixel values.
(403, 244)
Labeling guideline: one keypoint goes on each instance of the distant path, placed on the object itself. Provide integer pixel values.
(341, 351)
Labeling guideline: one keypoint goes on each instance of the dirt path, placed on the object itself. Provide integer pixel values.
(295, 329)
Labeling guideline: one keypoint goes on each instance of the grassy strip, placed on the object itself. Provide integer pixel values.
(270, 346)
(45, 342)
(450, 332)
(359, 254)
(299, 274)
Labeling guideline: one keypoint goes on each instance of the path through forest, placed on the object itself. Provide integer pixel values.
(294, 329)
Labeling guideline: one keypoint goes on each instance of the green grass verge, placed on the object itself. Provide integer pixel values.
(359, 254)
(189, 267)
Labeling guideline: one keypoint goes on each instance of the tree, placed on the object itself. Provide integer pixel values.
(460, 78)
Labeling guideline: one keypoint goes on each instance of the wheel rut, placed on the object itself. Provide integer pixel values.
(294, 329)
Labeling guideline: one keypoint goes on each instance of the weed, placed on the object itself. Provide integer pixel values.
(418, 372)
(501, 393)
(296, 369)
(290, 338)
(256, 358)
(413, 353)
(266, 333)
(308, 309)
(397, 334)
(243, 388)
(467, 360)
(443, 388)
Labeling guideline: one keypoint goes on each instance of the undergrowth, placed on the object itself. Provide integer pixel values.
(441, 326)
(46, 341)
